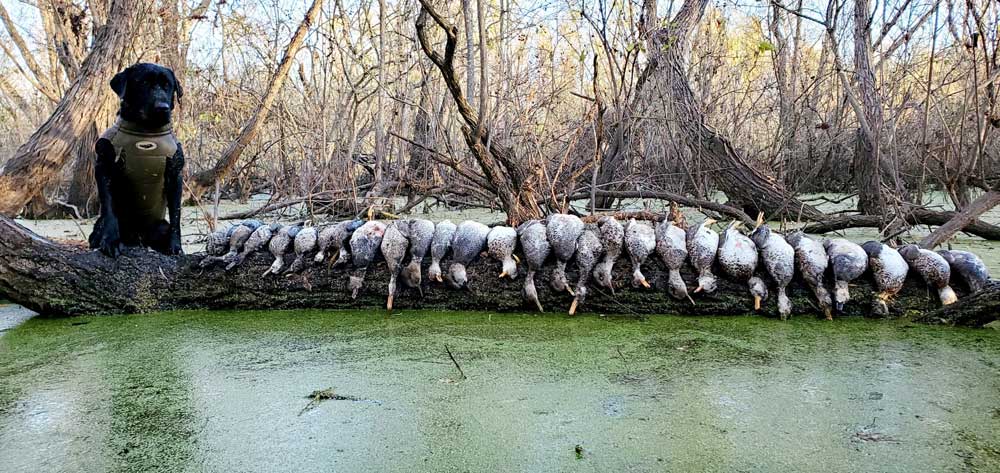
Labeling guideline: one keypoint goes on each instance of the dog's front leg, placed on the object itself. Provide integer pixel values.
(174, 190)
(106, 236)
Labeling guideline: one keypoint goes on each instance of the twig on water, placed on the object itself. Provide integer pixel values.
(624, 361)
(453, 360)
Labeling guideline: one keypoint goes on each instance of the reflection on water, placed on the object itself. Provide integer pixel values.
(227, 391)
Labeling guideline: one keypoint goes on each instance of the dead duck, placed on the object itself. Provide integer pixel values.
(500, 243)
(444, 231)
(779, 261)
(365, 243)
(421, 236)
(640, 241)
(466, 245)
(612, 235)
(588, 250)
(279, 245)
(702, 245)
(395, 243)
(217, 243)
(933, 268)
(738, 258)
(849, 261)
(334, 238)
(258, 239)
(562, 231)
(238, 237)
(535, 245)
(969, 266)
(811, 260)
(303, 245)
(889, 269)
(671, 245)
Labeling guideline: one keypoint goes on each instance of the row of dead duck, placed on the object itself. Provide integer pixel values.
(595, 247)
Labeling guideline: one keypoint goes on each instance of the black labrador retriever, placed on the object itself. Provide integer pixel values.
(138, 167)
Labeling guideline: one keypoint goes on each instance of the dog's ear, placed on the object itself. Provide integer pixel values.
(118, 83)
(177, 85)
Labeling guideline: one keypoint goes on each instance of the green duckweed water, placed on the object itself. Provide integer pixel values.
(226, 391)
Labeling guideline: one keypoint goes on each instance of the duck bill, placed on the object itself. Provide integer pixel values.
(756, 302)
(760, 221)
(439, 278)
(644, 283)
(570, 291)
(690, 299)
(698, 289)
(388, 303)
(516, 259)
(420, 289)
(829, 315)
(709, 221)
(572, 307)
(539, 305)
(502, 274)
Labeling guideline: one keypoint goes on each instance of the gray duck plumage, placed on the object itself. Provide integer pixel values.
(468, 242)
(535, 246)
(395, 243)
(365, 243)
(444, 231)
(421, 236)
(303, 245)
(588, 250)
(280, 243)
(671, 246)
(562, 231)
(968, 266)
(640, 241)
(889, 270)
(334, 238)
(933, 268)
(738, 258)
(258, 240)
(702, 245)
(849, 261)
(500, 244)
(778, 257)
(811, 262)
(612, 235)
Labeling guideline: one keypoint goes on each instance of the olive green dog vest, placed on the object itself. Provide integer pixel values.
(142, 156)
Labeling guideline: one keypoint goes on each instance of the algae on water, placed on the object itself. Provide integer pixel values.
(195, 391)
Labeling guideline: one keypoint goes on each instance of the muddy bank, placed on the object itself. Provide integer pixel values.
(194, 391)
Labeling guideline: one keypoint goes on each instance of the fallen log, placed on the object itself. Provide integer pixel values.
(975, 227)
(975, 310)
(962, 219)
(58, 279)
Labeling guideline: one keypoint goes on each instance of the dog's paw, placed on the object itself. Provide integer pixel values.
(175, 248)
(110, 241)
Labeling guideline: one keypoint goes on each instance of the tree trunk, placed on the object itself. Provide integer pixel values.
(206, 179)
(37, 163)
(507, 176)
(867, 154)
(743, 182)
(60, 280)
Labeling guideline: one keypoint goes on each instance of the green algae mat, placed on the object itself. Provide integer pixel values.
(353, 391)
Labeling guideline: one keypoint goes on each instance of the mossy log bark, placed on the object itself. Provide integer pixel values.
(57, 279)
(975, 310)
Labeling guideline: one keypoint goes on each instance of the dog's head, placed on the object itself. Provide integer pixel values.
(147, 93)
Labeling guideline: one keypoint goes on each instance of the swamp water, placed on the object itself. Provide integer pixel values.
(229, 391)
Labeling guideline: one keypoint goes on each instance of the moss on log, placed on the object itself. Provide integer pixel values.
(58, 279)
